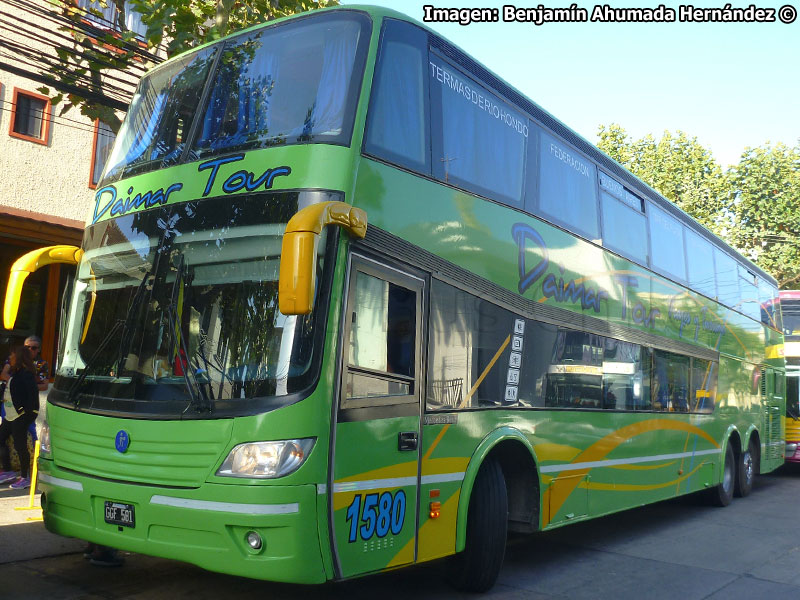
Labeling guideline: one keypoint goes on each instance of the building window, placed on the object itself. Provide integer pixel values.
(30, 117)
(101, 149)
(107, 17)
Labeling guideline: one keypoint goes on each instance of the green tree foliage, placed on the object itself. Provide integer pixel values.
(764, 201)
(754, 206)
(678, 167)
(106, 62)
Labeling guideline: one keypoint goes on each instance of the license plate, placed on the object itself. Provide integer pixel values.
(118, 513)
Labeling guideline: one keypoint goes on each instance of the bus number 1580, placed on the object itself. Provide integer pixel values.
(379, 514)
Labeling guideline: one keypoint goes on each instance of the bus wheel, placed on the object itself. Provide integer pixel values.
(722, 493)
(477, 567)
(746, 472)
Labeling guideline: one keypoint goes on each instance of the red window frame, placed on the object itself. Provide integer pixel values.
(47, 117)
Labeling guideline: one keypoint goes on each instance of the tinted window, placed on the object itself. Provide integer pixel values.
(479, 139)
(476, 351)
(483, 356)
(397, 129)
(670, 382)
(626, 368)
(749, 294)
(666, 243)
(768, 296)
(567, 188)
(700, 254)
(624, 228)
(704, 386)
(727, 278)
(575, 375)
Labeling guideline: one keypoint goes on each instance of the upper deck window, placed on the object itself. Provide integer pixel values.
(289, 84)
(727, 279)
(568, 187)
(770, 304)
(748, 288)
(479, 140)
(397, 128)
(624, 226)
(700, 253)
(666, 243)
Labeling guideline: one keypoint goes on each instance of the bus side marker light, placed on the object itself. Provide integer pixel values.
(434, 493)
(435, 510)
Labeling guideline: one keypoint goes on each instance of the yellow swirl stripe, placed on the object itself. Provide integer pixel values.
(589, 458)
(616, 487)
(642, 467)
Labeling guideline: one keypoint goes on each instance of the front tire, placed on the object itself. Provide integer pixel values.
(477, 567)
(722, 493)
(746, 471)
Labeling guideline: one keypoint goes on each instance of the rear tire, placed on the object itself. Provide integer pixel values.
(722, 493)
(477, 567)
(746, 471)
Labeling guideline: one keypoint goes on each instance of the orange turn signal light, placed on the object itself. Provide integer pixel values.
(435, 510)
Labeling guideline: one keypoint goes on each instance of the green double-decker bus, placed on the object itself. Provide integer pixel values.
(347, 301)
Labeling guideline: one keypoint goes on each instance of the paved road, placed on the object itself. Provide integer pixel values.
(678, 549)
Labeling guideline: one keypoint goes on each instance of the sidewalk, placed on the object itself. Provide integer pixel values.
(21, 539)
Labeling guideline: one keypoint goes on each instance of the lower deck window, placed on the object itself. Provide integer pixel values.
(481, 356)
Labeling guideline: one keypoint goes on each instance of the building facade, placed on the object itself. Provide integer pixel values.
(49, 165)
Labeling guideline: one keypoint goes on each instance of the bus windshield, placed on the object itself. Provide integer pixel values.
(293, 83)
(181, 303)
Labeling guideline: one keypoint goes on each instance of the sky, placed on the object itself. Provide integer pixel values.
(730, 85)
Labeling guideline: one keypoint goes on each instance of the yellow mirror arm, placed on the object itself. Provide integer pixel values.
(299, 251)
(91, 309)
(27, 264)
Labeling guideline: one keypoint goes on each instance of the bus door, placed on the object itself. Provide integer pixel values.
(375, 461)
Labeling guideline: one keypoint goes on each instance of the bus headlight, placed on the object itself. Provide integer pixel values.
(266, 460)
(44, 439)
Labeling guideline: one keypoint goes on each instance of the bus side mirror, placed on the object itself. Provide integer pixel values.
(27, 264)
(299, 251)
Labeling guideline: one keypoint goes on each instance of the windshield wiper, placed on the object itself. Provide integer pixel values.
(198, 394)
(125, 341)
(72, 394)
(128, 326)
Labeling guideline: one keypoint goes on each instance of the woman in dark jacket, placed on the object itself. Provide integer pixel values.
(25, 397)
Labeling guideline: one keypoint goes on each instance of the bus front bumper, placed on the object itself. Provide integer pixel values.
(208, 526)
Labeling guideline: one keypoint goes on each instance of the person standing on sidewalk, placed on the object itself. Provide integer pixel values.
(33, 345)
(25, 398)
